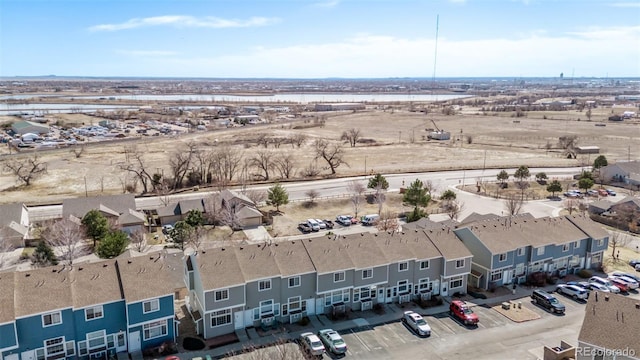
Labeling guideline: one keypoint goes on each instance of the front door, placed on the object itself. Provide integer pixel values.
(311, 307)
(238, 322)
(380, 295)
(445, 288)
(27, 355)
(134, 341)
(506, 277)
(121, 342)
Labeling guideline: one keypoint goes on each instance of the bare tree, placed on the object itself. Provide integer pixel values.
(66, 237)
(282, 349)
(616, 240)
(285, 164)
(513, 204)
(332, 153)
(453, 208)
(78, 150)
(310, 170)
(196, 238)
(312, 194)
(571, 205)
(277, 141)
(26, 169)
(352, 136)
(298, 140)
(263, 140)
(226, 162)
(138, 240)
(388, 221)
(257, 196)
(137, 166)
(264, 161)
(356, 189)
(380, 196)
(180, 163)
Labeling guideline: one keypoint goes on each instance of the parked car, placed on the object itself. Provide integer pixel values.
(599, 287)
(602, 192)
(583, 284)
(313, 224)
(369, 220)
(592, 192)
(611, 192)
(416, 323)
(461, 311)
(574, 291)
(547, 301)
(321, 224)
(332, 341)
(605, 282)
(619, 283)
(630, 281)
(329, 223)
(311, 343)
(632, 276)
(634, 262)
(304, 228)
(166, 229)
(343, 220)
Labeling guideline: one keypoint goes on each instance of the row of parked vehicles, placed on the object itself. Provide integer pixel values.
(326, 340)
(573, 193)
(312, 225)
(617, 282)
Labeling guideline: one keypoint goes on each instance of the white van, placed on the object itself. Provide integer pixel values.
(313, 224)
(369, 220)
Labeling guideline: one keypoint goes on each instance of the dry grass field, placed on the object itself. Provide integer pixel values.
(397, 144)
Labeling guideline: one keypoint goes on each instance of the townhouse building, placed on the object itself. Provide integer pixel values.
(260, 285)
(508, 249)
(88, 310)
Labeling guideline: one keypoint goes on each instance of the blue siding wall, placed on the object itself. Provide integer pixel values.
(157, 341)
(113, 320)
(8, 335)
(31, 334)
(137, 316)
(596, 248)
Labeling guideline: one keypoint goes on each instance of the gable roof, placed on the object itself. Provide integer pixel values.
(425, 223)
(257, 261)
(95, 283)
(601, 204)
(188, 205)
(292, 258)
(7, 283)
(11, 213)
(247, 212)
(229, 196)
(131, 216)
(588, 226)
(327, 256)
(42, 290)
(148, 276)
(113, 204)
(628, 200)
(474, 216)
(219, 268)
(363, 250)
(449, 245)
(169, 210)
(605, 316)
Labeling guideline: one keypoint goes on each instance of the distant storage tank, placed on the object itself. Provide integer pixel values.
(440, 135)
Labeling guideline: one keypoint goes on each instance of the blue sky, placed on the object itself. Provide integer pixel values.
(319, 39)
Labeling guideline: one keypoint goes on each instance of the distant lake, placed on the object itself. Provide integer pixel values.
(14, 109)
(285, 98)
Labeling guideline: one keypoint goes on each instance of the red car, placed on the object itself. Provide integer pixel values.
(619, 284)
(460, 310)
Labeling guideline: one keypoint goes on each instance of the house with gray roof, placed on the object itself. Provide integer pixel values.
(175, 212)
(627, 172)
(611, 326)
(456, 259)
(14, 225)
(119, 209)
(235, 207)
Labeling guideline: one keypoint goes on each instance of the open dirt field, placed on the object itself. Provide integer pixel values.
(397, 144)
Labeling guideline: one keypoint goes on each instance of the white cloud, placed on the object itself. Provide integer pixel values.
(146, 53)
(184, 21)
(327, 4)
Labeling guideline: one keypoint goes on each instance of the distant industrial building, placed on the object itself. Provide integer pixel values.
(587, 150)
(339, 107)
(29, 127)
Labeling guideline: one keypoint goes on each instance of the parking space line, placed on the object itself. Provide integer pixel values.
(360, 339)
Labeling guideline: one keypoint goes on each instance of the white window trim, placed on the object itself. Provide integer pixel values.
(566, 247)
(460, 260)
(424, 281)
(46, 347)
(521, 251)
(406, 263)
(576, 244)
(299, 280)
(152, 302)
(459, 278)
(165, 326)
(51, 314)
(222, 291)
(426, 267)
(540, 251)
(220, 314)
(367, 277)
(500, 259)
(289, 302)
(100, 334)
(344, 277)
(94, 308)
(266, 282)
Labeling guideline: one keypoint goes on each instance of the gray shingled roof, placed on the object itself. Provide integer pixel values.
(95, 283)
(219, 268)
(148, 276)
(611, 321)
(448, 243)
(327, 254)
(42, 290)
(292, 258)
(7, 281)
(9, 213)
(131, 216)
(363, 250)
(588, 226)
(188, 205)
(117, 204)
(406, 245)
(257, 261)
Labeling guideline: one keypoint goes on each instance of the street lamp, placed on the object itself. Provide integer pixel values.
(365, 165)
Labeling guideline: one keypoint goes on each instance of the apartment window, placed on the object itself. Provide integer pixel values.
(150, 306)
(455, 283)
(295, 303)
(339, 276)
(266, 308)
(51, 319)
(576, 244)
(521, 251)
(403, 266)
(71, 348)
(40, 354)
(336, 297)
(93, 313)
(403, 287)
(294, 281)
(220, 318)
(54, 347)
(111, 341)
(96, 339)
(82, 348)
(496, 275)
(367, 274)
(424, 264)
(264, 285)
(459, 264)
(424, 285)
(502, 257)
(565, 247)
(222, 295)
(540, 251)
(600, 242)
(155, 329)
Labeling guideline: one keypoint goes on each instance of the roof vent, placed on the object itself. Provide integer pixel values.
(606, 298)
(637, 305)
(222, 249)
(128, 261)
(103, 265)
(27, 275)
(241, 248)
(80, 268)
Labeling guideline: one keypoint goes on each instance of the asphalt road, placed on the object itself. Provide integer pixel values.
(338, 187)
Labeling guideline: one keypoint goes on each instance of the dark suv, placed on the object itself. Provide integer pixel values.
(547, 301)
